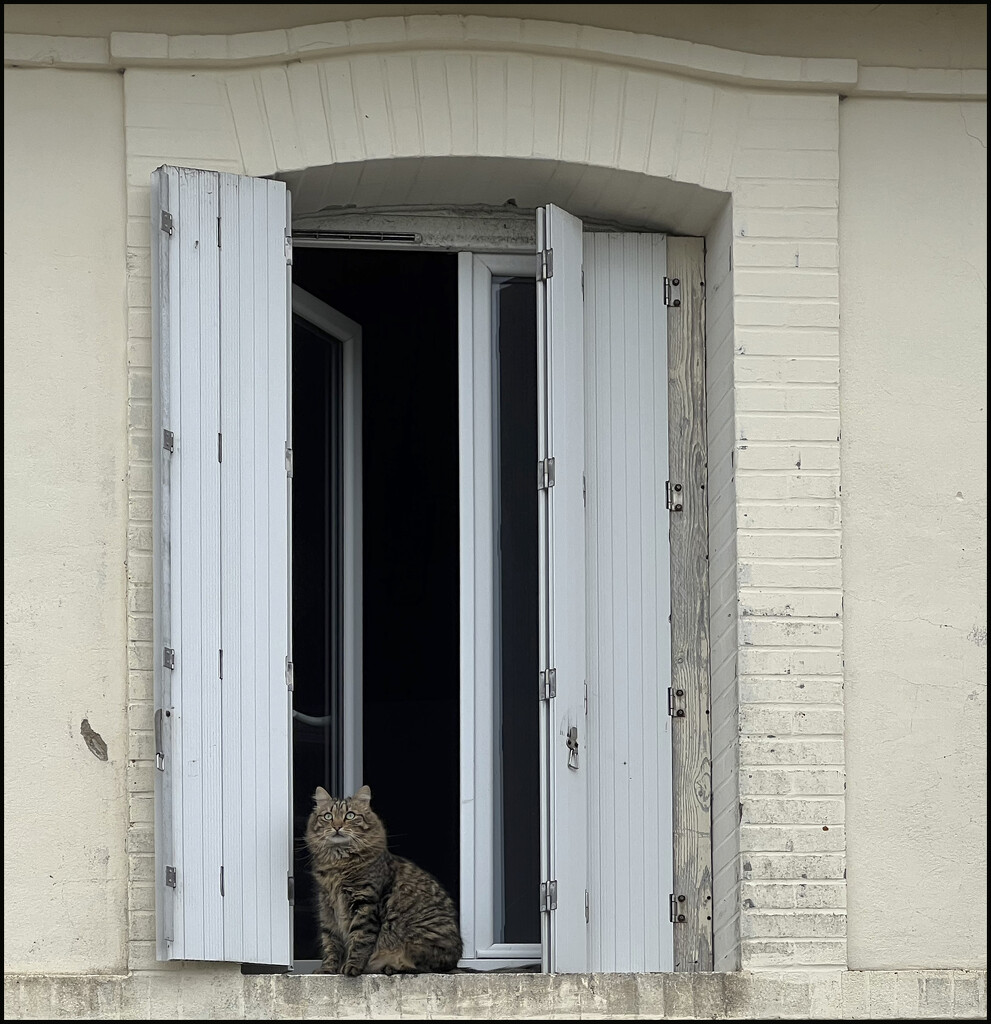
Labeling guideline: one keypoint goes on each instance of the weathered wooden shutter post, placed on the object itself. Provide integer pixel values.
(691, 901)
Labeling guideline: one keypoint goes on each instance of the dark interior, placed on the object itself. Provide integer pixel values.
(317, 553)
(406, 304)
(517, 728)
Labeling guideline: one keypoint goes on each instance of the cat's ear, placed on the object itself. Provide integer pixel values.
(320, 795)
(363, 796)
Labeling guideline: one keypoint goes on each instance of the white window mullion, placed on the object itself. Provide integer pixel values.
(466, 533)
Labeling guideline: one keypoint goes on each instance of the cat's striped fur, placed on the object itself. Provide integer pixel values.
(379, 914)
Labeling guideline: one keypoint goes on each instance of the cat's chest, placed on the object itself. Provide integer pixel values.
(340, 900)
(341, 906)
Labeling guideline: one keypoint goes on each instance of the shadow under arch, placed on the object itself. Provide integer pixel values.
(599, 195)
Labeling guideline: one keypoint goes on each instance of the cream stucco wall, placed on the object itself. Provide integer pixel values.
(913, 356)
(65, 515)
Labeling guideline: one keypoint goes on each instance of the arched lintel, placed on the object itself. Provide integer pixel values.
(500, 187)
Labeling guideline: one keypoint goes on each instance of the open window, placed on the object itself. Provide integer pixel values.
(411, 532)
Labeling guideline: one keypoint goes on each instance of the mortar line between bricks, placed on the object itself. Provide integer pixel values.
(805, 798)
(778, 618)
(789, 590)
(796, 912)
(775, 828)
(797, 329)
(833, 882)
(774, 271)
(762, 648)
(797, 676)
(825, 386)
(817, 532)
(793, 705)
(789, 239)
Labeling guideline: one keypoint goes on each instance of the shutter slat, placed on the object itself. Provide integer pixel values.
(236, 307)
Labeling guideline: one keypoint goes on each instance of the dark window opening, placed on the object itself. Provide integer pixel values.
(406, 304)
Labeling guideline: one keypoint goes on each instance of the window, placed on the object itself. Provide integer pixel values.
(411, 532)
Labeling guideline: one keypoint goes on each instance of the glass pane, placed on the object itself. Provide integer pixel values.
(317, 594)
(517, 801)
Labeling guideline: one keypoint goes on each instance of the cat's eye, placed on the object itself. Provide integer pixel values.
(327, 816)
(349, 815)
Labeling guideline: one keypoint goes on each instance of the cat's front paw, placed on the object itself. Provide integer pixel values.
(327, 968)
(352, 970)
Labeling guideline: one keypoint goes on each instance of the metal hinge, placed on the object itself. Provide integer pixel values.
(168, 658)
(548, 684)
(675, 907)
(167, 224)
(548, 896)
(289, 462)
(672, 291)
(676, 697)
(673, 499)
(586, 906)
(168, 440)
(159, 743)
(545, 474)
(546, 264)
(291, 891)
(289, 249)
(170, 876)
(289, 679)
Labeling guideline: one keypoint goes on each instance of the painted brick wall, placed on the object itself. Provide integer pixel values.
(789, 660)
(723, 593)
(773, 394)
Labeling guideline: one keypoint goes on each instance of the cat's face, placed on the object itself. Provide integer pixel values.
(344, 826)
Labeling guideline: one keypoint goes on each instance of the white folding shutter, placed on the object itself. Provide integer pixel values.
(629, 638)
(561, 451)
(222, 578)
(255, 591)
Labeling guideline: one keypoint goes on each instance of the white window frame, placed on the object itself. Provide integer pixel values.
(479, 627)
(335, 324)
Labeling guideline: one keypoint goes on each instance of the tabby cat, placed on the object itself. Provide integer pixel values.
(379, 914)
